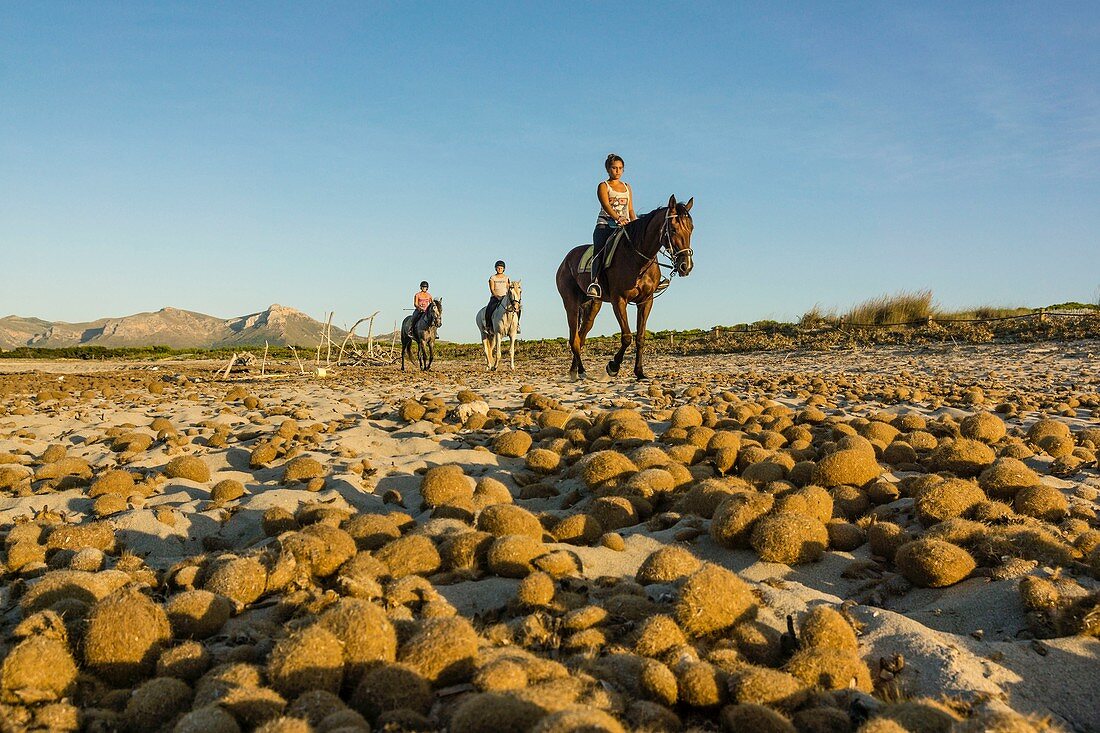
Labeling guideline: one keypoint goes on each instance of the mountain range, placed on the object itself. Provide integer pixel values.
(172, 327)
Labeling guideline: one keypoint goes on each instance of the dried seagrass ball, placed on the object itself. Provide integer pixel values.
(850, 467)
(466, 551)
(227, 490)
(932, 563)
(187, 661)
(964, 457)
(764, 686)
(156, 701)
(577, 529)
(701, 685)
(983, 426)
(442, 484)
(712, 599)
(511, 556)
(756, 718)
(535, 591)
(845, 536)
(830, 668)
(491, 491)
(488, 712)
(198, 614)
(364, 630)
(603, 466)
(951, 498)
(656, 635)
(309, 659)
(302, 468)
(208, 719)
(1042, 502)
(241, 579)
(443, 650)
(823, 626)
(658, 682)
(124, 636)
(576, 719)
(789, 538)
(734, 518)
(39, 669)
(389, 686)
(813, 501)
(614, 512)
(505, 519)
(191, 468)
(500, 675)
(541, 460)
(118, 482)
(1046, 428)
(410, 555)
(885, 538)
(336, 548)
(371, 531)
(669, 564)
(109, 504)
(262, 455)
(512, 443)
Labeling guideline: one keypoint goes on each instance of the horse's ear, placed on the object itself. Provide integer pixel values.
(672, 202)
(687, 206)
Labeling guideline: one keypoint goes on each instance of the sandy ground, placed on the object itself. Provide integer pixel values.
(970, 642)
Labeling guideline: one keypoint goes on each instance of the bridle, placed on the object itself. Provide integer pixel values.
(514, 304)
(675, 256)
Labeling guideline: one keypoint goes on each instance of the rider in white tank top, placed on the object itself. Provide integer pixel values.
(616, 209)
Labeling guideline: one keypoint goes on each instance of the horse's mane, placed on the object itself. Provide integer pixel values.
(637, 227)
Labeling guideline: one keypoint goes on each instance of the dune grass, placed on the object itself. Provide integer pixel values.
(904, 307)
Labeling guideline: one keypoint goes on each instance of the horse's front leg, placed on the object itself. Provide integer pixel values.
(488, 347)
(625, 337)
(643, 315)
(512, 349)
(498, 341)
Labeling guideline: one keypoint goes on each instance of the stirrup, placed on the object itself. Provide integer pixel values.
(594, 291)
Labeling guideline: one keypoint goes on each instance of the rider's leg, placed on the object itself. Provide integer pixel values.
(489, 309)
(599, 238)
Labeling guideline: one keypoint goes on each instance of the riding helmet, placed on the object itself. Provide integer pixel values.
(423, 283)
(500, 263)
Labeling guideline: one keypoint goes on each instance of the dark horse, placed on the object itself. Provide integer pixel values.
(424, 336)
(632, 277)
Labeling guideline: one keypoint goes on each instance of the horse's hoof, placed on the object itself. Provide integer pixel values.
(612, 370)
(640, 375)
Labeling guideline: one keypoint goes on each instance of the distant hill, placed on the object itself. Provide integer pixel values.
(172, 327)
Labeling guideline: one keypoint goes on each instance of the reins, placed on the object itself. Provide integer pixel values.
(664, 248)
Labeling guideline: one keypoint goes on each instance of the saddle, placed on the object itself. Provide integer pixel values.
(585, 264)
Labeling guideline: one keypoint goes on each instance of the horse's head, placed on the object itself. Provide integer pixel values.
(436, 311)
(676, 235)
(515, 293)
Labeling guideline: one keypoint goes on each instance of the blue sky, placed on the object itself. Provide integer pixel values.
(221, 157)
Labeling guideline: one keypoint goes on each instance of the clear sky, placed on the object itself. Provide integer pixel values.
(220, 157)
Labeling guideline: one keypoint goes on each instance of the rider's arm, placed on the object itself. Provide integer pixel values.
(630, 205)
(605, 202)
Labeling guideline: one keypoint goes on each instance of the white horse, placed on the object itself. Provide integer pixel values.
(505, 323)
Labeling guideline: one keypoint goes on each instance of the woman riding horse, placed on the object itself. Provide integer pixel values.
(633, 276)
(616, 209)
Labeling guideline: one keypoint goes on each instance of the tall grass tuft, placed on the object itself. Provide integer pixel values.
(816, 317)
(904, 307)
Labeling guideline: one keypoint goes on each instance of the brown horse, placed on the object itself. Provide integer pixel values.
(631, 277)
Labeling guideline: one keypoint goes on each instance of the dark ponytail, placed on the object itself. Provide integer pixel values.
(611, 159)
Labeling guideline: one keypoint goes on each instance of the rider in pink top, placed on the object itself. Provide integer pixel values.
(421, 302)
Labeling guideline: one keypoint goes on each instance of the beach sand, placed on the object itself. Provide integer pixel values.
(973, 643)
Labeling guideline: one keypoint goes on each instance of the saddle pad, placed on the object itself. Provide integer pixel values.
(585, 264)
